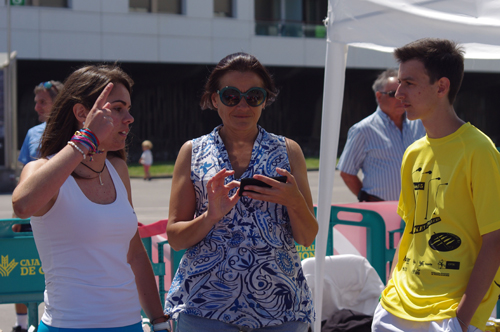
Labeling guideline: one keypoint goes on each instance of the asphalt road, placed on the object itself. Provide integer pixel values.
(151, 204)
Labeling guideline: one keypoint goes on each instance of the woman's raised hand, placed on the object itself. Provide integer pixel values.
(99, 119)
(219, 203)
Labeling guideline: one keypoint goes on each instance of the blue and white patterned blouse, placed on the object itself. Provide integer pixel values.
(246, 271)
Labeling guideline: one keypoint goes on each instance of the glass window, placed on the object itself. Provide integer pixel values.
(46, 3)
(143, 6)
(267, 10)
(223, 8)
(314, 11)
(169, 6)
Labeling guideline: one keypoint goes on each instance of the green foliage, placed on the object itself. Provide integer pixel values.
(166, 168)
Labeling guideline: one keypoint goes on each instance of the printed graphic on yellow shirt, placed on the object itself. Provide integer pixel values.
(430, 183)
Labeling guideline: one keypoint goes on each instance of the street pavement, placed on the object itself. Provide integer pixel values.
(151, 200)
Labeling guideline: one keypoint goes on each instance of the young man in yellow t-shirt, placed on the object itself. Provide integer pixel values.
(446, 270)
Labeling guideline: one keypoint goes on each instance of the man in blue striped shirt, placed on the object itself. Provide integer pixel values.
(377, 143)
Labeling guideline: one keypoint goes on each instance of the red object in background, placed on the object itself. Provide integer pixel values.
(157, 231)
(156, 228)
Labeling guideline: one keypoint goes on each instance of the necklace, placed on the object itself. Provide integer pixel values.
(103, 167)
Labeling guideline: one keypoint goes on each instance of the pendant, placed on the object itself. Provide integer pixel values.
(100, 180)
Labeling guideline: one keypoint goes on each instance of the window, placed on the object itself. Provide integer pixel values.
(156, 6)
(143, 6)
(169, 6)
(40, 3)
(223, 8)
(293, 18)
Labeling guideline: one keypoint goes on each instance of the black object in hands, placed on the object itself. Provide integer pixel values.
(254, 182)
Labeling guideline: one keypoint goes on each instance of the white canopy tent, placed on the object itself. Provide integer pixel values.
(383, 25)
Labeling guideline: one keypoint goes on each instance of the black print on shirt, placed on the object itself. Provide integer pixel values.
(444, 242)
(449, 265)
(423, 227)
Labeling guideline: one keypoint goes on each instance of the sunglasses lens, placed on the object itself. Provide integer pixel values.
(255, 97)
(230, 97)
(391, 94)
(46, 85)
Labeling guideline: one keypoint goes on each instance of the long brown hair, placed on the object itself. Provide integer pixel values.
(83, 86)
(242, 62)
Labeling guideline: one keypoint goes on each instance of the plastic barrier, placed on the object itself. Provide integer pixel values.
(21, 276)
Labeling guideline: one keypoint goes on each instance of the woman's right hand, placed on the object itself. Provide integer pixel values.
(99, 120)
(219, 203)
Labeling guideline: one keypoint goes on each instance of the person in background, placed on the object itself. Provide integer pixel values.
(146, 158)
(78, 196)
(241, 269)
(446, 273)
(377, 143)
(45, 94)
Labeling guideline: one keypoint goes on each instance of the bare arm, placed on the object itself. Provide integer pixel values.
(183, 229)
(144, 279)
(352, 182)
(138, 258)
(295, 195)
(40, 182)
(483, 273)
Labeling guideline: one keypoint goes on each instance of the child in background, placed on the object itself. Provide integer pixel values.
(146, 158)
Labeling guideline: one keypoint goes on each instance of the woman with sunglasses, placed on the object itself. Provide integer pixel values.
(97, 273)
(241, 270)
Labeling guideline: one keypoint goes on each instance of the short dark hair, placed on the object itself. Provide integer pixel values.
(241, 62)
(441, 58)
(83, 86)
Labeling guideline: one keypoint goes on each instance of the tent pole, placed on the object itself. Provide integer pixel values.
(333, 95)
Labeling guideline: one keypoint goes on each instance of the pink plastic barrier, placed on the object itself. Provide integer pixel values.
(352, 239)
(157, 232)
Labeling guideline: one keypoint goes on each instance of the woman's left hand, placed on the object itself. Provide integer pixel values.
(286, 194)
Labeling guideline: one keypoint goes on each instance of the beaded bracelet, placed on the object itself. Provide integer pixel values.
(77, 148)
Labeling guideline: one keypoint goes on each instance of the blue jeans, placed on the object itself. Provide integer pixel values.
(131, 328)
(189, 323)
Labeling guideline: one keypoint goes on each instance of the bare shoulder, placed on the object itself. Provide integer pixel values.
(295, 154)
(118, 163)
(183, 160)
(120, 166)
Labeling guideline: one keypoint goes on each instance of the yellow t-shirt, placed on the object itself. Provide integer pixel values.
(449, 198)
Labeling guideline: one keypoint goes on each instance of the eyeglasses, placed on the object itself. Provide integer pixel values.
(231, 96)
(391, 94)
(48, 85)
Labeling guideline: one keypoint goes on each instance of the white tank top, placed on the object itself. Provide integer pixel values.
(83, 247)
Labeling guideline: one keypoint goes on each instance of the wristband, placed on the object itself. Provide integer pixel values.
(164, 326)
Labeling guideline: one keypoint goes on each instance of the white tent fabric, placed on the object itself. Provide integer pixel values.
(384, 25)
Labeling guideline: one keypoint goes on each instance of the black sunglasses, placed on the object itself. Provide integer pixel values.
(391, 94)
(231, 96)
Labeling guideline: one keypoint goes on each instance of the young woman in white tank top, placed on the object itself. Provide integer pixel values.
(78, 197)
